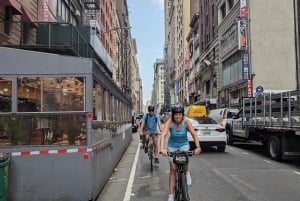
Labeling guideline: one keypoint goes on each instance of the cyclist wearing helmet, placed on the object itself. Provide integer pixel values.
(178, 140)
(150, 122)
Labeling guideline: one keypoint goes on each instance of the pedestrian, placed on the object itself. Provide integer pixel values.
(150, 122)
(177, 126)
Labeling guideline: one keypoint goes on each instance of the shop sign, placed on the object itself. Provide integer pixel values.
(235, 101)
(242, 35)
(245, 67)
(249, 87)
(243, 8)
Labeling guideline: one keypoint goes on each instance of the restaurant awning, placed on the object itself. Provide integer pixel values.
(14, 4)
(26, 17)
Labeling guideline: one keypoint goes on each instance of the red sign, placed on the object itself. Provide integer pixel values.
(249, 87)
(243, 9)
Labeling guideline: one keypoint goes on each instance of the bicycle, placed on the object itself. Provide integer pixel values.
(150, 149)
(180, 158)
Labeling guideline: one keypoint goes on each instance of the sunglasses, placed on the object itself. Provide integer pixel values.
(151, 110)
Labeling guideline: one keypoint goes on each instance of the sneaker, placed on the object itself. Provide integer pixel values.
(188, 178)
(156, 160)
(146, 149)
(171, 197)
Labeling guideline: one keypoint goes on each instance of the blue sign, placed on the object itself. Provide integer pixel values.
(245, 67)
(259, 90)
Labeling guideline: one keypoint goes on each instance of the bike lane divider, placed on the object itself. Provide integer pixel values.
(128, 191)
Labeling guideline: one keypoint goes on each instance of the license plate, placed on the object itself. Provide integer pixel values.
(206, 132)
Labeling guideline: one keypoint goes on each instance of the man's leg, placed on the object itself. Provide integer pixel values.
(156, 160)
(146, 134)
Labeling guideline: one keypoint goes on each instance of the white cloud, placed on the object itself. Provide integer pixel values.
(159, 3)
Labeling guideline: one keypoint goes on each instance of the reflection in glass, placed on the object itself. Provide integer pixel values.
(51, 94)
(56, 130)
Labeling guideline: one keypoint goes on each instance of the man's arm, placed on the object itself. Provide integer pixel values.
(142, 125)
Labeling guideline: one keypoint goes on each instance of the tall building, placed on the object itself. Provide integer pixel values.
(193, 84)
(207, 73)
(159, 85)
(257, 48)
(177, 17)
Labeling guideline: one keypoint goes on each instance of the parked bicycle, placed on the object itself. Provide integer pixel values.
(180, 158)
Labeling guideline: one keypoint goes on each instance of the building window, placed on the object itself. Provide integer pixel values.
(230, 4)
(223, 11)
(207, 87)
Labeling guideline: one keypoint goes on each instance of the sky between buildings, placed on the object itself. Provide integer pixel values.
(147, 22)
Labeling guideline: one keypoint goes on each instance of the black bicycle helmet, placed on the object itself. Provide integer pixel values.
(150, 108)
(177, 109)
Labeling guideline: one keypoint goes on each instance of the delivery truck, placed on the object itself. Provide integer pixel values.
(272, 119)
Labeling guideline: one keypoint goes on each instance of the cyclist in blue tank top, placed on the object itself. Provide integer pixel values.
(177, 126)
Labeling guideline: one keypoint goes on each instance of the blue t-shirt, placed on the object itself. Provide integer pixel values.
(178, 138)
(151, 124)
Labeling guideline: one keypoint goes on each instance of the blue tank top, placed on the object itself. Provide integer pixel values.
(178, 138)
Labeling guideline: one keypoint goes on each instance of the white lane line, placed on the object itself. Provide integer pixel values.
(246, 153)
(235, 177)
(296, 172)
(131, 177)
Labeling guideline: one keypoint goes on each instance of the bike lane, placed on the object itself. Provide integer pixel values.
(132, 179)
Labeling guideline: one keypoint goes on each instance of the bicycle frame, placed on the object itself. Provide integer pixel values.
(151, 150)
(181, 188)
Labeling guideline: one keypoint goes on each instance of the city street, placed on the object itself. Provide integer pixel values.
(242, 173)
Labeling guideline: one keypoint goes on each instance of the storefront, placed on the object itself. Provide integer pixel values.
(59, 116)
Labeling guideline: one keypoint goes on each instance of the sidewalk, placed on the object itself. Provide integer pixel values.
(115, 189)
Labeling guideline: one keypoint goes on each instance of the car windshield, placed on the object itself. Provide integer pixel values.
(205, 120)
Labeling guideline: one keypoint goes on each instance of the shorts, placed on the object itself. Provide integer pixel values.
(172, 149)
(152, 133)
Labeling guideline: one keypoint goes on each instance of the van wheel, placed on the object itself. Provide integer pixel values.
(229, 137)
(274, 148)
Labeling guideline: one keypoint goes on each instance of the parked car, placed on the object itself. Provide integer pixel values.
(134, 124)
(210, 133)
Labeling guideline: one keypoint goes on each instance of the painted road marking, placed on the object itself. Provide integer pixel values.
(131, 177)
(298, 173)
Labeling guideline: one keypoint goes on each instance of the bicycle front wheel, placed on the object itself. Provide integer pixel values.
(184, 188)
(151, 156)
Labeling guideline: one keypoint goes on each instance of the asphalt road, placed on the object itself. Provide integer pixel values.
(242, 173)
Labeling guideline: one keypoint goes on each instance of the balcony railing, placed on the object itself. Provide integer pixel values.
(53, 37)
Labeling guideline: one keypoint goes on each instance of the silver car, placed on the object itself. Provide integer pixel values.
(210, 133)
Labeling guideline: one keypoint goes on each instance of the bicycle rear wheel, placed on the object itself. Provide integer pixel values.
(184, 188)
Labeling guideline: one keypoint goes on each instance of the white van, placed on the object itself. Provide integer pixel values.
(222, 113)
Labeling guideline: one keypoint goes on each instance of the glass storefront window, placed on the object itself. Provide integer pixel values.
(43, 130)
(5, 94)
(51, 94)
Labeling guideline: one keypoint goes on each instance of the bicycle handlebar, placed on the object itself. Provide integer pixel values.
(171, 154)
